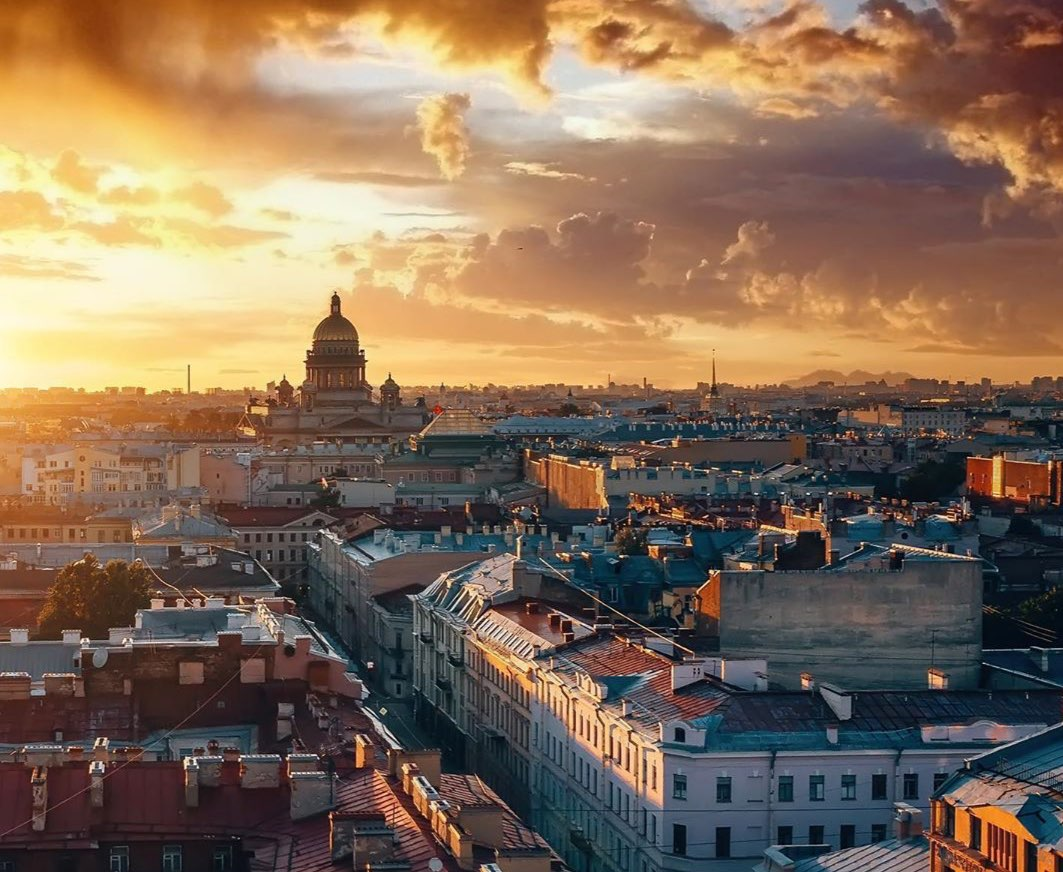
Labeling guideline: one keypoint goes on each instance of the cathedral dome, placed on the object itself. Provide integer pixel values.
(335, 328)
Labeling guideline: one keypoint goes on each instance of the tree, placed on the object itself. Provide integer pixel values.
(933, 480)
(93, 598)
(631, 540)
(1045, 610)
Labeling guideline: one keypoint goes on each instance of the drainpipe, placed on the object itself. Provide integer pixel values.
(771, 793)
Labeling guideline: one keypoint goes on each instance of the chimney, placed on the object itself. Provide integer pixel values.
(685, 673)
(157, 602)
(554, 621)
(364, 751)
(484, 822)
(302, 763)
(191, 782)
(839, 701)
(97, 772)
(71, 637)
(807, 681)
(566, 625)
(312, 793)
(937, 679)
(568, 638)
(39, 789)
(363, 836)
(101, 749)
(907, 821)
(20, 636)
(260, 770)
(1040, 656)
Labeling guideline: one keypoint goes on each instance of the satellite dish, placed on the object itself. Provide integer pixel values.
(435, 864)
(99, 658)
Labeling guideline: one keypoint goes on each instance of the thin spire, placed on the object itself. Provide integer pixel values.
(714, 367)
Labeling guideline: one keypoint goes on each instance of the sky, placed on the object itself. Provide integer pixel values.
(550, 190)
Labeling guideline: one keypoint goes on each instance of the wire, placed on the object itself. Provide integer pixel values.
(121, 766)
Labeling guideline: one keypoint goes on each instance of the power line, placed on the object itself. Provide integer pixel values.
(121, 766)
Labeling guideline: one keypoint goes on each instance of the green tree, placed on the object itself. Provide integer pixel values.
(933, 480)
(327, 498)
(1045, 610)
(93, 598)
(631, 540)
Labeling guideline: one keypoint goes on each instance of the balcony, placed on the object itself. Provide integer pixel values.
(425, 636)
(455, 659)
(958, 856)
(580, 840)
(444, 684)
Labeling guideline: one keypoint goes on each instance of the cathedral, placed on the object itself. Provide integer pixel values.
(335, 403)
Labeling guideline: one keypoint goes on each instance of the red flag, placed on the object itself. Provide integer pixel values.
(438, 410)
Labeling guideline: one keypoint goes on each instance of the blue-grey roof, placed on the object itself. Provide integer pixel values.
(896, 855)
(38, 658)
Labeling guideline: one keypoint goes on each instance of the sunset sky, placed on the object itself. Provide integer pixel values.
(530, 190)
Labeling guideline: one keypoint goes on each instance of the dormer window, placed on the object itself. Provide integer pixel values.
(680, 735)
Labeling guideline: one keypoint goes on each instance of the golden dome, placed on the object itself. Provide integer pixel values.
(335, 328)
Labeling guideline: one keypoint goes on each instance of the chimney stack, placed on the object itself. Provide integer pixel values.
(39, 789)
(97, 772)
(907, 821)
(312, 793)
(191, 782)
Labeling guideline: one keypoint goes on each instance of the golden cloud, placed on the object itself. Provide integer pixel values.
(444, 136)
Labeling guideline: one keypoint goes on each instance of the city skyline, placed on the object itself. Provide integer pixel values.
(546, 193)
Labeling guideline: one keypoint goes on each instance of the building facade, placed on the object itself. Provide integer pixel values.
(335, 403)
(630, 754)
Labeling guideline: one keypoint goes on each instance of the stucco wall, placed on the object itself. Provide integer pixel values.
(861, 629)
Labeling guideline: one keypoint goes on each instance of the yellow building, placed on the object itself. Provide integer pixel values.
(1004, 811)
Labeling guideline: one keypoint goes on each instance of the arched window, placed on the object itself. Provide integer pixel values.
(680, 735)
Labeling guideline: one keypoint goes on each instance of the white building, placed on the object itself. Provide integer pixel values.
(933, 419)
(632, 759)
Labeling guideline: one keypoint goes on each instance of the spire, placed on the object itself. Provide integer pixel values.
(714, 390)
(335, 303)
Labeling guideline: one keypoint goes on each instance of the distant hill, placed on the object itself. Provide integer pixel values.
(856, 377)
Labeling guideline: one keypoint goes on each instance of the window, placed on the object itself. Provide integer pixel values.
(680, 734)
(786, 788)
(223, 859)
(679, 840)
(119, 858)
(1002, 848)
(815, 836)
(911, 785)
(878, 832)
(679, 787)
(785, 836)
(723, 789)
(816, 792)
(878, 786)
(1031, 855)
(171, 858)
(723, 842)
(848, 787)
(847, 836)
(939, 779)
(976, 833)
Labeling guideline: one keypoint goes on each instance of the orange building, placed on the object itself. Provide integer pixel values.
(1020, 480)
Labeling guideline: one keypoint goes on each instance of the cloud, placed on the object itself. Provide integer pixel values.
(784, 108)
(444, 136)
(395, 180)
(204, 197)
(27, 210)
(543, 171)
(753, 238)
(21, 266)
(124, 195)
(71, 172)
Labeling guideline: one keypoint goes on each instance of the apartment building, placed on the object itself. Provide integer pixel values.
(277, 537)
(1002, 810)
(933, 419)
(53, 476)
(631, 754)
